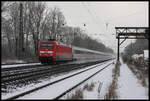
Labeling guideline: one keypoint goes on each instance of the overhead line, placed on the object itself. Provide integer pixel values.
(90, 13)
(93, 18)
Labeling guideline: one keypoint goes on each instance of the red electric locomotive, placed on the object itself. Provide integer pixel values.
(50, 51)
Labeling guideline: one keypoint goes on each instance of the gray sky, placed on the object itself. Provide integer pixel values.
(102, 18)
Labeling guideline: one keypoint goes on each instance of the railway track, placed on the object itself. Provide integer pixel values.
(81, 66)
(32, 73)
(78, 84)
(18, 69)
(25, 74)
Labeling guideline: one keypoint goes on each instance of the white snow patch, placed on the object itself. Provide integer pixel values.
(128, 85)
(18, 65)
(146, 54)
(13, 61)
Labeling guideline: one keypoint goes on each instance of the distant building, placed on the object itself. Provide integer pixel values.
(136, 56)
(139, 57)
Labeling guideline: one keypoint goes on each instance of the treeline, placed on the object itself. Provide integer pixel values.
(89, 43)
(136, 48)
(39, 23)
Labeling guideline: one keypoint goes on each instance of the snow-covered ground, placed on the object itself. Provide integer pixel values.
(43, 82)
(12, 61)
(129, 87)
(104, 77)
(17, 65)
(31, 64)
(53, 91)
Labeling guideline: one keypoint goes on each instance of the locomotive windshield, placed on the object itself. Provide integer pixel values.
(47, 46)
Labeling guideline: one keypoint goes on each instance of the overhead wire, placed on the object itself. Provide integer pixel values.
(96, 14)
(93, 18)
(117, 18)
(102, 21)
(108, 22)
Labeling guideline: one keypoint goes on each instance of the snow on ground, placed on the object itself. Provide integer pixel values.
(53, 91)
(51, 79)
(129, 87)
(17, 65)
(104, 77)
(76, 62)
(12, 61)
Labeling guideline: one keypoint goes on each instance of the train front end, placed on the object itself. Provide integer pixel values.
(47, 52)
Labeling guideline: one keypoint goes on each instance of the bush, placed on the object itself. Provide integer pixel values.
(78, 95)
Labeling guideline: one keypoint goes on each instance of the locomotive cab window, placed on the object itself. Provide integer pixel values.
(47, 46)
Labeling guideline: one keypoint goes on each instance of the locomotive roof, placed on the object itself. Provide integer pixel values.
(59, 43)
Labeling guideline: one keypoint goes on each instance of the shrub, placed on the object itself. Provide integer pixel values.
(78, 95)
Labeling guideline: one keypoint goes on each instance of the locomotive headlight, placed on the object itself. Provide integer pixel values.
(50, 51)
(41, 51)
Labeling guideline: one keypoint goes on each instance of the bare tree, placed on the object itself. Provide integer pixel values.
(7, 33)
(14, 14)
(10, 24)
(5, 6)
(57, 21)
(36, 11)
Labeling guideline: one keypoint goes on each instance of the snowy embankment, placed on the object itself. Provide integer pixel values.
(11, 61)
(26, 88)
(53, 91)
(129, 87)
(101, 83)
(19, 65)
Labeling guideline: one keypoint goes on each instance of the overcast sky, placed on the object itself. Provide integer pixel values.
(101, 18)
